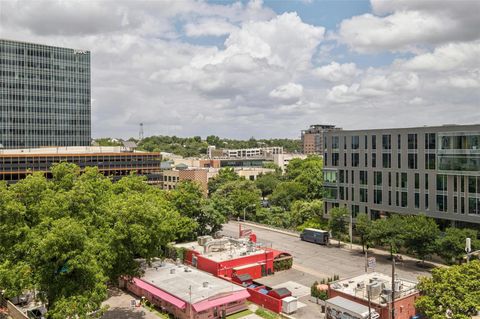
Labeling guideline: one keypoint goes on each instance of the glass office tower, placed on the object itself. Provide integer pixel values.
(44, 96)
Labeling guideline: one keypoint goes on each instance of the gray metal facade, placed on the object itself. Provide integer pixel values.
(431, 170)
(44, 96)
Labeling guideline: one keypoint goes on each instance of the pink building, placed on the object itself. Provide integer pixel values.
(186, 292)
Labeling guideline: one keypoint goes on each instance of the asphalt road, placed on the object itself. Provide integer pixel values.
(324, 261)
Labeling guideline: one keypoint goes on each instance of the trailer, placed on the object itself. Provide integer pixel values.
(316, 236)
(341, 308)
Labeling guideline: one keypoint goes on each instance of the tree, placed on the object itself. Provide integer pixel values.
(450, 288)
(286, 193)
(422, 235)
(224, 175)
(338, 222)
(451, 245)
(267, 183)
(311, 175)
(363, 225)
(301, 211)
(389, 232)
(236, 198)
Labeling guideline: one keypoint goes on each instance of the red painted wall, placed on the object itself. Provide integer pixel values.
(404, 307)
(265, 301)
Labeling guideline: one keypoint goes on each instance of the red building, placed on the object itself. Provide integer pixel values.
(227, 257)
(379, 286)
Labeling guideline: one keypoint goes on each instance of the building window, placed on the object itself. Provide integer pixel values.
(366, 160)
(366, 142)
(389, 198)
(363, 195)
(441, 203)
(353, 194)
(334, 142)
(374, 160)
(335, 157)
(399, 160)
(353, 177)
(417, 181)
(426, 201)
(374, 142)
(377, 196)
(412, 142)
(399, 141)
(455, 204)
(389, 179)
(377, 178)
(404, 183)
(344, 142)
(474, 185)
(355, 142)
(417, 200)
(429, 161)
(342, 193)
(387, 160)
(355, 210)
(412, 161)
(455, 184)
(430, 141)
(363, 178)
(397, 199)
(355, 159)
(426, 181)
(441, 182)
(344, 159)
(341, 176)
(404, 199)
(386, 142)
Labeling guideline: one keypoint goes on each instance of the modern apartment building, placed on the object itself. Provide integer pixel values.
(44, 96)
(431, 170)
(313, 138)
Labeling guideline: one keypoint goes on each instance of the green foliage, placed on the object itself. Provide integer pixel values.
(421, 235)
(389, 232)
(286, 193)
(67, 237)
(236, 198)
(310, 174)
(363, 226)
(267, 314)
(338, 222)
(224, 175)
(451, 245)
(195, 146)
(107, 141)
(302, 210)
(316, 222)
(284, 264)
(454, 288)
(267, 183)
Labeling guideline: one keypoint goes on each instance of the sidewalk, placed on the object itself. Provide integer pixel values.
(343, 245)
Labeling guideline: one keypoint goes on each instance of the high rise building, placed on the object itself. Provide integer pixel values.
(312, 138)
(431, 170)
(44, 96)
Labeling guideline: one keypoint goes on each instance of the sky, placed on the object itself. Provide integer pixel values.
(265, 69)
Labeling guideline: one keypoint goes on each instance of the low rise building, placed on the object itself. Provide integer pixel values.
(282, 160)
(112, 161)
(186, 292)
(257, 152)
(231, 257)
(374, 290)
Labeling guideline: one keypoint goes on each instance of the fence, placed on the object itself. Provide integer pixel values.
(14, 312)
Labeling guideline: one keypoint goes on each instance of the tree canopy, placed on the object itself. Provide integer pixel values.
(68, 236)
(453, 289)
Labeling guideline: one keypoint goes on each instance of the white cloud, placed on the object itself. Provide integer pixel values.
(405, 25)
(209, 27)
(288, 93)
(336, 72)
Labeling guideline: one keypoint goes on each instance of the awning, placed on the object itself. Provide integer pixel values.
(207, 304)
(159, 293)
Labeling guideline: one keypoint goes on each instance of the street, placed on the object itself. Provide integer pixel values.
(324, 261)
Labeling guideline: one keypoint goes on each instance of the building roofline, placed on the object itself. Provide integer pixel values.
(45, 45)
(405, 128)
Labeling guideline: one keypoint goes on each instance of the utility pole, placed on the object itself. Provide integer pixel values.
(393, 287)
(366, 261)
(351, 229)
(369, 305)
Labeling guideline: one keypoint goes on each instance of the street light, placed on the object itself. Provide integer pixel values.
(244, 211)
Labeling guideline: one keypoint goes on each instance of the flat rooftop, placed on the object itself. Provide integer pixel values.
(187, 283)
(226, 249)
(67, 150)
(357, 286)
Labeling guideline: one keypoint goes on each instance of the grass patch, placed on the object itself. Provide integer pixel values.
(267, 314)
(239, 314)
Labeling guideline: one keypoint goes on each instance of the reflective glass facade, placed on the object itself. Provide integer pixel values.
(44, 96)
